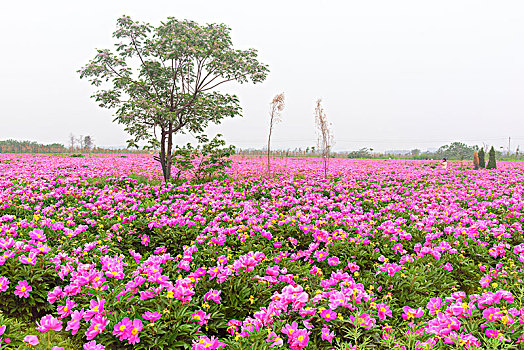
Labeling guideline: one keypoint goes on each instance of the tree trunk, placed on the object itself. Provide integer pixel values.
(169, 155)
(163, 155)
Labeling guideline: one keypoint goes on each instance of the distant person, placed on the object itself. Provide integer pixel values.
(444, 163)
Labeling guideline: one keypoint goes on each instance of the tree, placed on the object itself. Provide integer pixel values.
(169, 89)
(325, 137)
(361, 153)
(482, 161)
(72, 141)
(456, 150)
(88, 142)
(476, 161)
(275, 108)
(81, 144)
(415, 152)
(492, 164)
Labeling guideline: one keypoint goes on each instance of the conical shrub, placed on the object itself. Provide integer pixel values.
(492, 164)
(482, 161)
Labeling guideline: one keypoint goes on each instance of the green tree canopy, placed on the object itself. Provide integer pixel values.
(456, 150)
(160, 80)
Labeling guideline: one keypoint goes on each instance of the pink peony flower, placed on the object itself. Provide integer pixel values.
(98, 323)
(274, 340)
(48, 322)
(410, 313)
(92, 345)
(333, 261)
(383, 311)
(326, 334)
(289, 329)
(299, 339)
(363, 320)
(67, 309)
(29, 260)
(492, 333)
(328, 314)
(123, 328)
(200, 317)
(136, 327)
(74, 324)
(4, 283)
(205, 343)
(22, 289)
(434, 305)
(96, 308)
(321, 255)
(485, 281)
(152, 316)
(31, 340)
(213, 295)
(54, 294)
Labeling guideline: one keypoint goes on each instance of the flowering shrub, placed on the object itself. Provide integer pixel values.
(381, 255)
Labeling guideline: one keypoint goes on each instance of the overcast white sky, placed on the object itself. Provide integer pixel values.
(392, 74)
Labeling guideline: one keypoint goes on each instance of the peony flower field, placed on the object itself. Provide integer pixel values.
(97, 253)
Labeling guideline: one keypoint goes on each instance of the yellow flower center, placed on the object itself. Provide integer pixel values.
(134, 331)
(122, 327)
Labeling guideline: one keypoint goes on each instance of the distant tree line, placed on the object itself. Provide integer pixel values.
(461, 151)
(453, 151)
(14, 146)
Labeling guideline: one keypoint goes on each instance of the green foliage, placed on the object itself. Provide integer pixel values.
(361, 153)
(183, 158)
(492, 164)
(455, 150)
(214, 158)
(14, 146)
(482, 161)
(208, 160)
(141, 179)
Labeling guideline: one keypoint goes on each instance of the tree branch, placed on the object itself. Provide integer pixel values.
(145, 66)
